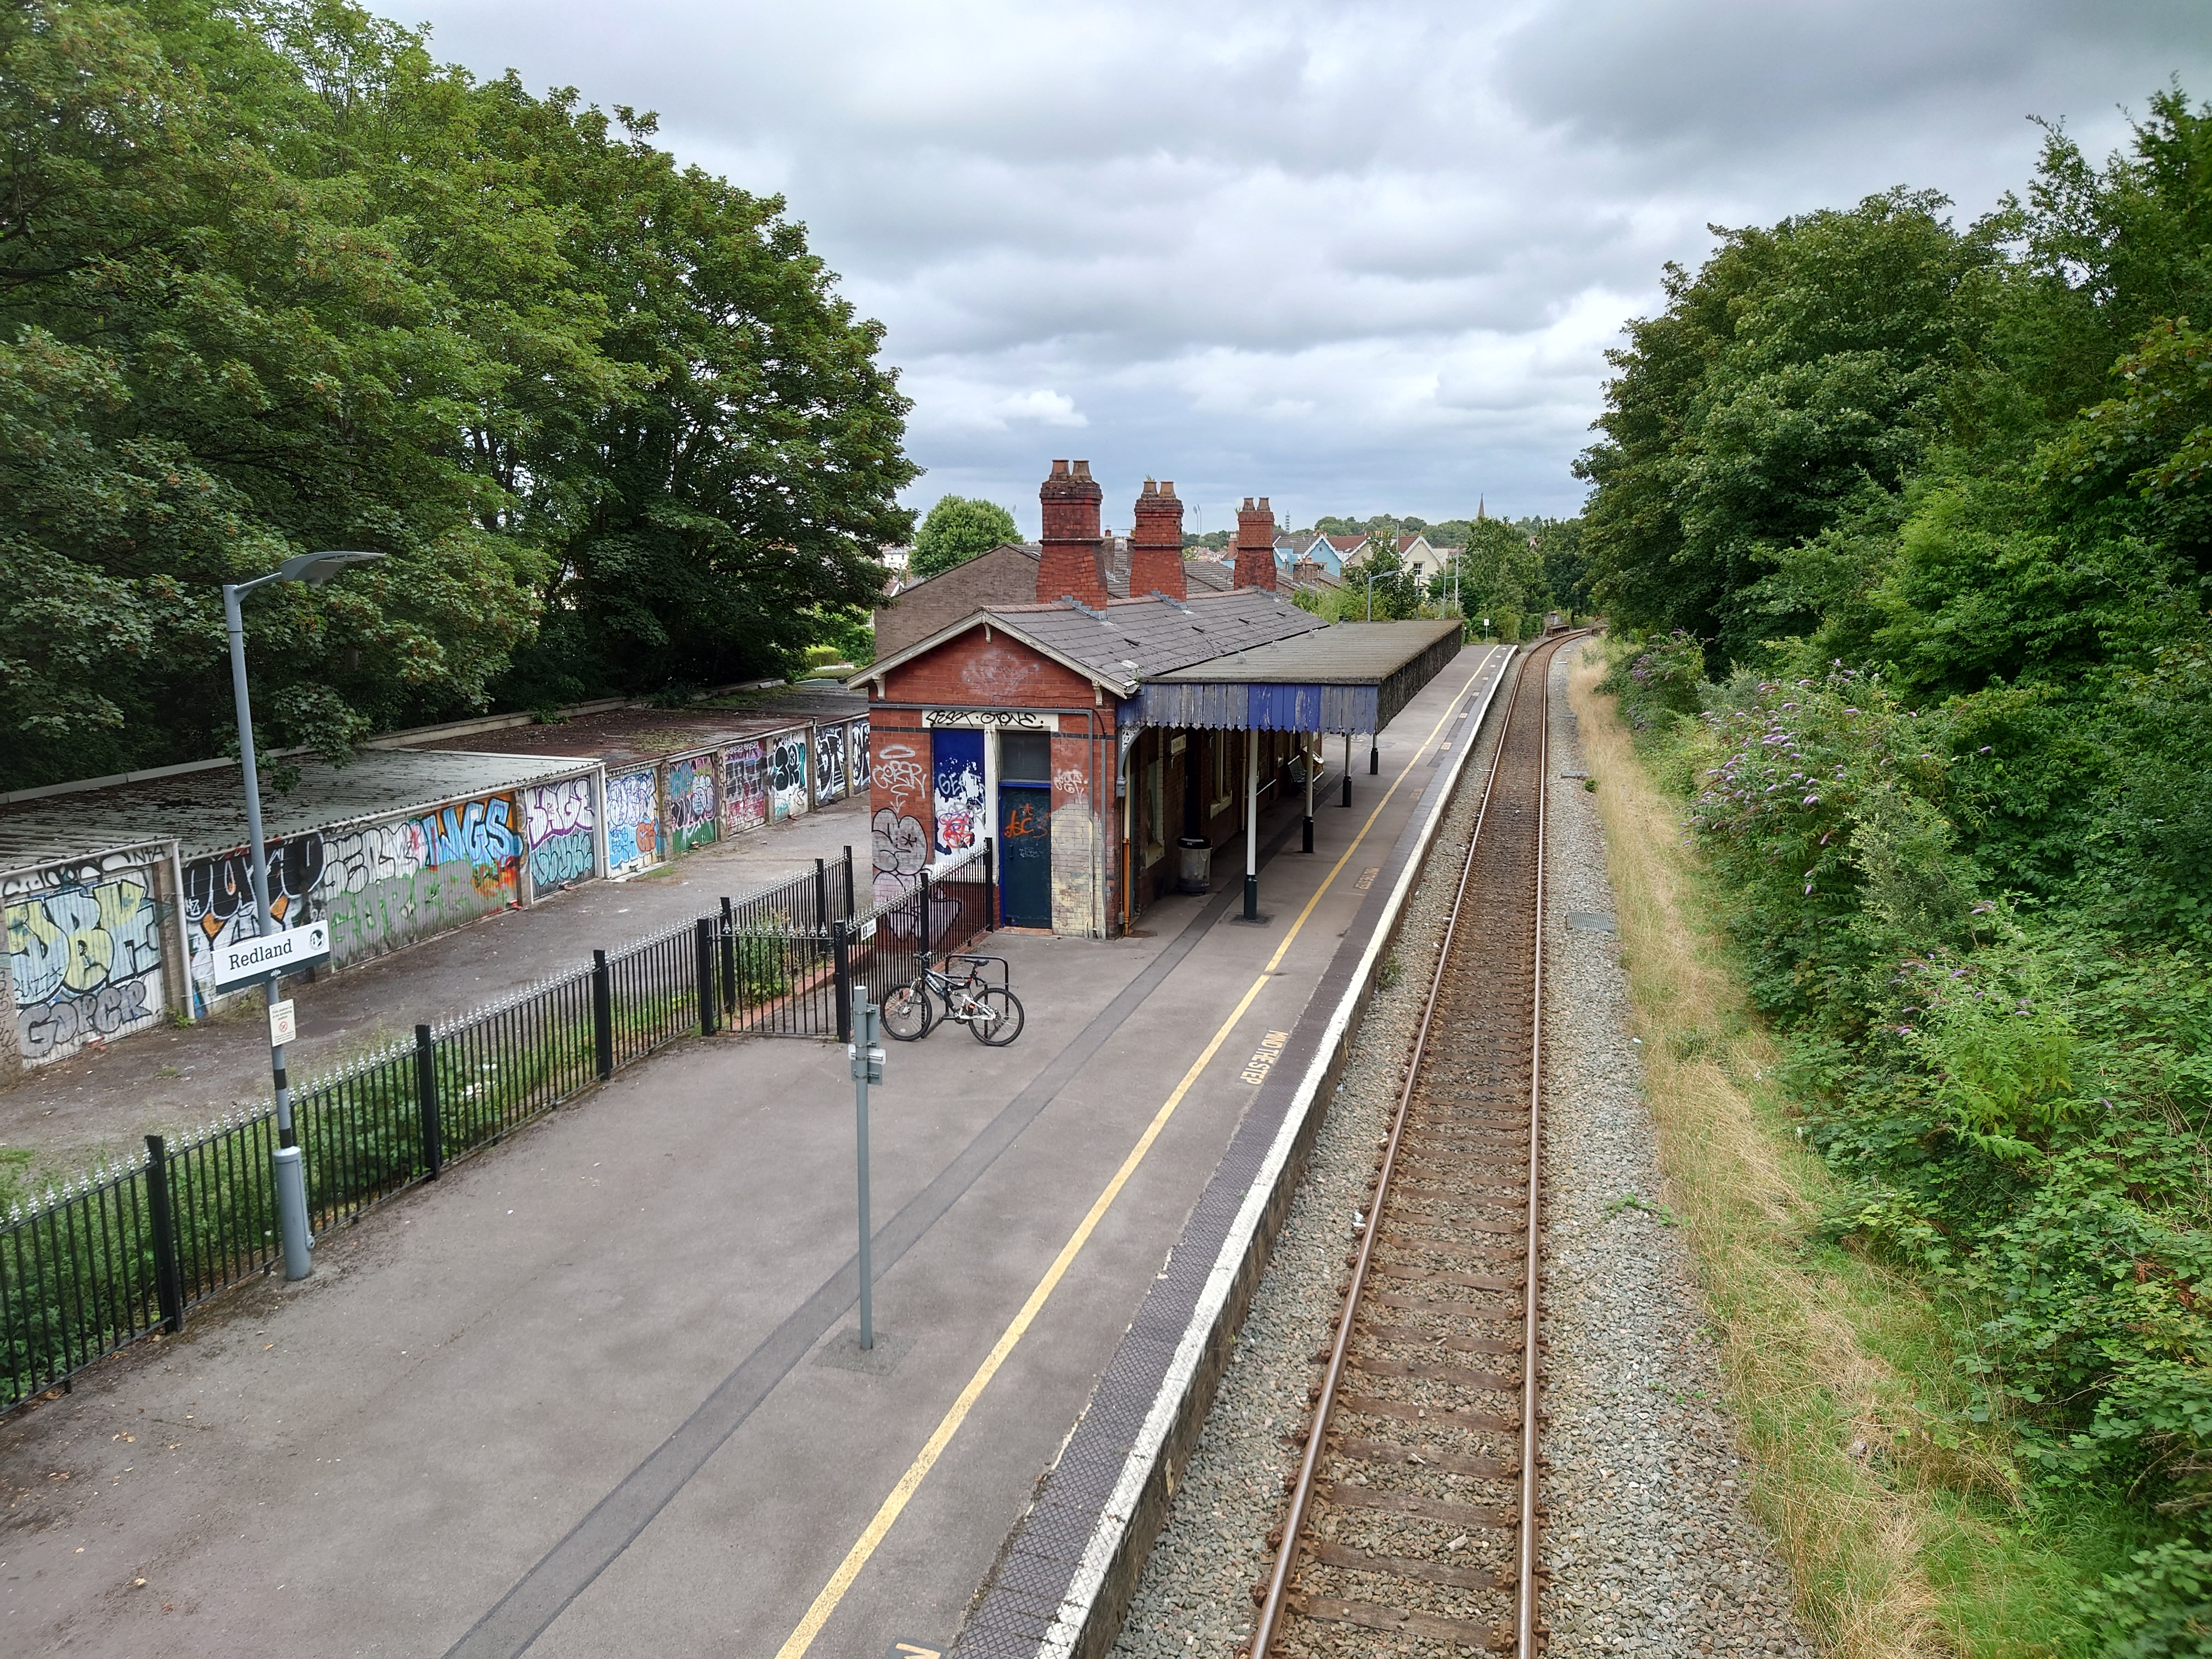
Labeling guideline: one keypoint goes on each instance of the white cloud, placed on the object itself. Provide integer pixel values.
(1354, 257)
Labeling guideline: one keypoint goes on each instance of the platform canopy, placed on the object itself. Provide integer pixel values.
(1353, 677)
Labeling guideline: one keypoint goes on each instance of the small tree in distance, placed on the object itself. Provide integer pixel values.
(956, 531)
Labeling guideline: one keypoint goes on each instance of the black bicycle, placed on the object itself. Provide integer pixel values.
(992, 1013)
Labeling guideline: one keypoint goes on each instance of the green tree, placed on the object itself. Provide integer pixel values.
(276, 281)
(957, 530)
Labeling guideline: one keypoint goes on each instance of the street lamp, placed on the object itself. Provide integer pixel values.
(314, 569)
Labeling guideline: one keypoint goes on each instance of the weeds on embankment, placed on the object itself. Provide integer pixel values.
(1904, 1524)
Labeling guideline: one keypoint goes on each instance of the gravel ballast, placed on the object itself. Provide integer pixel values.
(1650, 1545)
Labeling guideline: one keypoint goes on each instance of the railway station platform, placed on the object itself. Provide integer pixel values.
(597, 1391)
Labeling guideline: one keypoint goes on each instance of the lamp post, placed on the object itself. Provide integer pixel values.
(314, 569)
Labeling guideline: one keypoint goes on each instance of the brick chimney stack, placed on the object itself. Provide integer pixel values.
(1255, 544)
(1156, 544)
(1071, 563)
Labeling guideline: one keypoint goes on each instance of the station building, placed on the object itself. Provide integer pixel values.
(1116, 733)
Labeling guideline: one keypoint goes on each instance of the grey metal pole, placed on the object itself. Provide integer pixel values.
(1347, 769)
(1313, 765)
(867, 1062)
(1252, 826)
(291, 1175)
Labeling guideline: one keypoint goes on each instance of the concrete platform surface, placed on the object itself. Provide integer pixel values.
(591, 1393)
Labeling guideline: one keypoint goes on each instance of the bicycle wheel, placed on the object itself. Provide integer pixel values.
(907, 1013)
(996, 1016)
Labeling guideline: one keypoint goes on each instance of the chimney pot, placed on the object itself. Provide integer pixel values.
(1263, 504)
(1060, 469)
(1151, 487)
(1248, 503)
(1083, 469)
(1167, 486)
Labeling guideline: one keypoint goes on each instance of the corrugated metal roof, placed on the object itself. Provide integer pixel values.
(205, 811)
(1349, 654)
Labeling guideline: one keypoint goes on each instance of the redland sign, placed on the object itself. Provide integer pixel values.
(249, 961)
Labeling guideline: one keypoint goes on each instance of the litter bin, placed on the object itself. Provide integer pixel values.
(1194, 865)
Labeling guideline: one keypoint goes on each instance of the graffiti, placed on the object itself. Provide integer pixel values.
(856, 753)
(219, 907)
(86, 965)
(744, 787)
(691, 803)
(1069, 780)
(562, 832)
(632, 839)
(899, 772)
(786, 776)
(389, 885)
(1020, 719)
(829, 764)
(1022, 820)
(902, 845)
(957, 789)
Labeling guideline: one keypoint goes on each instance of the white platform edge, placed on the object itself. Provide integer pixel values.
(1068, 1624)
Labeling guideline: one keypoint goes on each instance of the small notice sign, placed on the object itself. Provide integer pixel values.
(249, 961)
(283, 1027)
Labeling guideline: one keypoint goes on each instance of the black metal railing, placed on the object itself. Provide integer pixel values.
(125, 1253)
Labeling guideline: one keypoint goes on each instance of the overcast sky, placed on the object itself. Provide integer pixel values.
(1356, 257)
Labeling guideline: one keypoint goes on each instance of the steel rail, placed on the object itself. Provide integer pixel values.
(1524, 1600)
(1272, 1606)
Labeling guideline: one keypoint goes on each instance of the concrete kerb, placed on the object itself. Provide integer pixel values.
(1096, 1600)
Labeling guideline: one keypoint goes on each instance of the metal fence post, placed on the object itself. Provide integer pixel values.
(168, 1276)
(729, 959)
(921, 927)
(426, 1097)
(603, 1016)
(841, 945)
(849, 907)
(704, 940)
(990, 884)
(821, 892)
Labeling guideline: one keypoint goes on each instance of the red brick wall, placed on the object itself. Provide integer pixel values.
(901, 824)
(970, 672)
(1156, 544)
(1070, 563)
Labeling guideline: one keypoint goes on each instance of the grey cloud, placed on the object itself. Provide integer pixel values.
(1358, 257)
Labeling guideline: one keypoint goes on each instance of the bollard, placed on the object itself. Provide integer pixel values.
(426, 1098)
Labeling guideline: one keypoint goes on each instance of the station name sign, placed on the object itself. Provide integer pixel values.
(1023, 719)
(250, 961)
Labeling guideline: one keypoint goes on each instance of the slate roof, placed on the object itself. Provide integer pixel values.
(1132, 639)
(1350, 653)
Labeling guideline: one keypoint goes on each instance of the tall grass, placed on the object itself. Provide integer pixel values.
(1903, 1535)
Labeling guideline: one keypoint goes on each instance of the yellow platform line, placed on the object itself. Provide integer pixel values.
(916, 1472)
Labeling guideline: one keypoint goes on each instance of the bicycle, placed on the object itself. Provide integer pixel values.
(992, 1013)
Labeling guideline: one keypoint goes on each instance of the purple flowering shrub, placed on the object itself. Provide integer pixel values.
(1665, 676)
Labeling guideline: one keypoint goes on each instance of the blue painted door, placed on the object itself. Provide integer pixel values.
(1025, 830)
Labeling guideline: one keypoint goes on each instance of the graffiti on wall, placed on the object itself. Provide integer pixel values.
(957, 788)
(691, 803)
(219, 907)
(84, 950)
(562, 832)
(389, 885)
(830, 763)
(786, 776)
(856, 753)
(633, 837)
(744, 787)
(900, 772)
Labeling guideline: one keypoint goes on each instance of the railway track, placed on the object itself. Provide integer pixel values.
(1415, 1510)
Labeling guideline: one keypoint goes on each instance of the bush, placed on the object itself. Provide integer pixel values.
(1663, 676)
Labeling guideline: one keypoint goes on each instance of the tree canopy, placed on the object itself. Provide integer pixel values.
(957, 530)
(1918, 520)
(273, 280)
